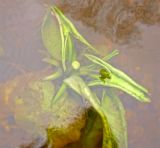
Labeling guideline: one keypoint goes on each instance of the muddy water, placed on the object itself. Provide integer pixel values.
(129, 25)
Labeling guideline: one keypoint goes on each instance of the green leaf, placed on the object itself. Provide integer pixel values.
(119, 80)
(64, 52)
(53, 76)
(71, 50)
(79, 86)
(63, 39)
(111, 55)
(51, 61)
(115, 113)
(51, 36)
(74, 31)
(59, 94)
(97, 61)
(106, 58)
(67, 44)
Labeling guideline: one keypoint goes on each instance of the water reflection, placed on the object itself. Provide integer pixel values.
(117, 19)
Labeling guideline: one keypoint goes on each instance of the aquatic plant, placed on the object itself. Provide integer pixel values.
(84, 77)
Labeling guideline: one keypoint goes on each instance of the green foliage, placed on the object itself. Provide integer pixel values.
(58, 39)
(119, 80)
(53, 76)
(51, 37)
(72, 29)
(115, 113)
(78, 85)
(59, 94)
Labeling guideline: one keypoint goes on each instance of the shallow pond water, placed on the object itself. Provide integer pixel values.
(132, 27)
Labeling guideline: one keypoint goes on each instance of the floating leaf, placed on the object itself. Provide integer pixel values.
(79, 86)
(115, 113)
(119, 80)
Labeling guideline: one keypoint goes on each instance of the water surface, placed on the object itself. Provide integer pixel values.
(130, 26)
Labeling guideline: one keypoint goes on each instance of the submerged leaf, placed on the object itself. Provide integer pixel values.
(63, 39)
(79, 86)
(53, 76)
(74, 31)
(120, 80)
(97, 61)
(51, 61)
(67, 44)
(106, 58)
(111, 55)
(51, 36)
(58, 94)
(115, 113)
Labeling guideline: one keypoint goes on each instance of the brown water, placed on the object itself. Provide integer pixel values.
(128, 25)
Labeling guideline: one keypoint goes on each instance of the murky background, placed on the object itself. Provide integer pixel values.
(131, 26)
